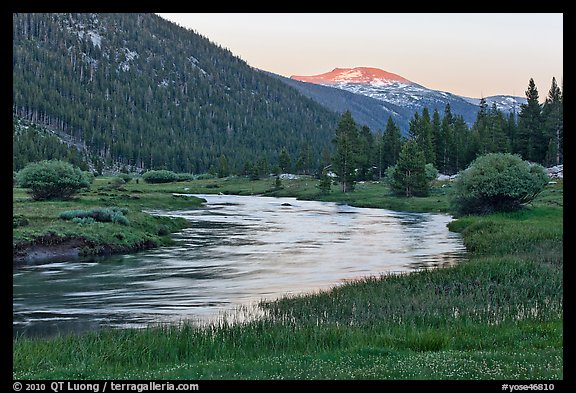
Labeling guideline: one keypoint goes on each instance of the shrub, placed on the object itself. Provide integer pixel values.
(85, 220)
(52, 179)
(19, 221)
(124, 176)
(205, 176)
(497, 182)
(118, 218)
(185, 176)
(160, 176)
(431, 172)
(89, 176)
(113, 214)
(116, 183)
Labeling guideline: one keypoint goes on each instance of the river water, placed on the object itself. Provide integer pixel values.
(238, 250)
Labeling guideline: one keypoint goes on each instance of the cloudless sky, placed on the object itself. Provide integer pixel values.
(470, 54)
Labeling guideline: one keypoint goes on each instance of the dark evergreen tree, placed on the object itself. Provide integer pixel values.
(391, 144)
(409, 177)
(366, 154)
(223, 168)
(421, 132)
(345, 158)
(497, 131)
(463, 150)
(262, 166)
(553, 118)
(438, 140)
(304, 161)
(530, 141)
(445, 144)
(427, 142)
(284, 161)
(510, 130)
(325, 183)
(489, 134)
(480, 141)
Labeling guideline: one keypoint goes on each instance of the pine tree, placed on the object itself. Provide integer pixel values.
(552, 113)
(325, 182)
(284, 161)
(421, 131)
(304, 162)
(499, 140)
(530, 141)
(479, 131)
(409, 177)
(463, 150)
(445, 146)
(346, 156)
(439, 142)
(391, 144)
(223, 168)
(365, 154)
(427, 139)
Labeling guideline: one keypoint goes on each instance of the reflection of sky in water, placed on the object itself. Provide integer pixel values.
(237, 250)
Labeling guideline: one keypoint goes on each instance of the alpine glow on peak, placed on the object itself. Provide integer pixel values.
(357, 75)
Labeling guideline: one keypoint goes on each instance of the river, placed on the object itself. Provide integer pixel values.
(237, 251)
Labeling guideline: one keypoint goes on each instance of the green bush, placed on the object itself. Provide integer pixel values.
(160, 176)
(19, 221)
(89, 176)
(113, 214)
(85, 220)
(124, 176)
(185, 176)
(497, 182)
(52, 179)
(431, 172)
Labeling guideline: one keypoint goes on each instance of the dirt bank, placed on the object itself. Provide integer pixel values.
(50, 247)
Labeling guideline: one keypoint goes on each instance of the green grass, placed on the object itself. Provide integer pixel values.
(144, 230)
(498, 315)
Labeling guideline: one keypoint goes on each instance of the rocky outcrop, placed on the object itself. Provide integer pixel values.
(556, 171)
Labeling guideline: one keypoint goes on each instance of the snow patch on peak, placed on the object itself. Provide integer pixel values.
(357, 75)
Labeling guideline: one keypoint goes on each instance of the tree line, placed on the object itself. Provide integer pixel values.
(357, 154)
(445, 142)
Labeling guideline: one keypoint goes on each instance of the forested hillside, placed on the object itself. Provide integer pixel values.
(138, 91)
(34, 143)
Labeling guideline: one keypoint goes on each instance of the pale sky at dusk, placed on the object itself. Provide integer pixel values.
(473, 55)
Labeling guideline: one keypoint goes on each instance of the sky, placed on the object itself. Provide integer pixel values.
(469, 54)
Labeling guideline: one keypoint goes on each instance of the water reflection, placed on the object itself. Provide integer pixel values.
(237, 251)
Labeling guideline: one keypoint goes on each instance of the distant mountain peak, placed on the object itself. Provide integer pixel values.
(356, 75)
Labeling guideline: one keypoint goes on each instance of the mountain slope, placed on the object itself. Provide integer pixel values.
(365, 110)
(138, 90)
(407, 97)
(504, 103)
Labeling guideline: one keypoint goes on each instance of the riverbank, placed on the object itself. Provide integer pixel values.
(40, 235)
(497, 316)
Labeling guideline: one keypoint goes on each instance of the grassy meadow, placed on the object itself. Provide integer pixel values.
(498, 315)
